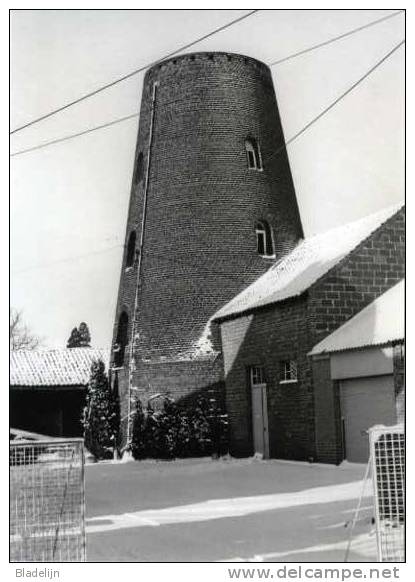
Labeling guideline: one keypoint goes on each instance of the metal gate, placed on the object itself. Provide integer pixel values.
(47, 501)
(387, 451)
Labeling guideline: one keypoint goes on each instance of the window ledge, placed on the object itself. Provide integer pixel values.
(272, 257)
(288, 381)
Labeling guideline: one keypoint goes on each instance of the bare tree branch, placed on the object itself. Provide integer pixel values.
(21, 338)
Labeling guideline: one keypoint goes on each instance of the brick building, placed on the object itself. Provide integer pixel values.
(217, 288)
(278, 404)
(210, 209)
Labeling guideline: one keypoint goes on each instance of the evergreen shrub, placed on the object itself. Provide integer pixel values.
(177, 430)
(101, 414)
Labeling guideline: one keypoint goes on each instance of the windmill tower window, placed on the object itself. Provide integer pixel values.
(265, 246)
(121, 341)
(253, 154)
(131, 250)
(139, 169)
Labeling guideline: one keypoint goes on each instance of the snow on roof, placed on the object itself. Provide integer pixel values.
(310, 260)
(379, 323)
(61, 367)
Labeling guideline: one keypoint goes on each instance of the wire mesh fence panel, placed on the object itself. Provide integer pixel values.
(387, 447)
(47, 501)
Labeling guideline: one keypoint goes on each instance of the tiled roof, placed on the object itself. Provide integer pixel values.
(310, 260)
(65, 367)
(379, 323)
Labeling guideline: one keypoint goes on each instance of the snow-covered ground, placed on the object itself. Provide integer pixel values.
(228, 510)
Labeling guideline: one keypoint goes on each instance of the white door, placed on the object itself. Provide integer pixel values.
(259, 412)
(364, 403)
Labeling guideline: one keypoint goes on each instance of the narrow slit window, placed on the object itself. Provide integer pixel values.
(265, 246)
(253, 154)
(131, 248)
(139, 169)
(121, 341)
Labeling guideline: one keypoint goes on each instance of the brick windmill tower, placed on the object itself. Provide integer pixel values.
(210, 211)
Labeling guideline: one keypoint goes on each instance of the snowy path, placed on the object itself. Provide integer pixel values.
(224, 508)
(238, 510)
(363, 545)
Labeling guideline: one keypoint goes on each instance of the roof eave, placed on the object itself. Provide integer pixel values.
(388, 343)
(264, 307)
(40, 386)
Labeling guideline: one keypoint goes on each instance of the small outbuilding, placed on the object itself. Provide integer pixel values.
(364, 360)
(48, 389)
(279, 402)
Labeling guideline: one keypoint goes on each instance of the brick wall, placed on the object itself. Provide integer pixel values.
(374, 266)
(203, 201)
(181, 380)
(178, 379)
(264, 339)
(328, 420)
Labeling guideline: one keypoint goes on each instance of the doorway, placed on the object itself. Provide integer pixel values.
(259, 411)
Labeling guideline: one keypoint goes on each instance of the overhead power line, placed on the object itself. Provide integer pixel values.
(73, 135)
(334, 39)
(132, 73)
(276, 152)
(143, 68)
(335, 102)
(67, 259)
(78, 134)
(294, 137)
(127, 117)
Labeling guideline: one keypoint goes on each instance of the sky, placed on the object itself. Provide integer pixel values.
(69, 201)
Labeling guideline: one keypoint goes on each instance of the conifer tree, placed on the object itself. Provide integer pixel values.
(80, 337)
(100, 419)
(84, 335)
(74, 339)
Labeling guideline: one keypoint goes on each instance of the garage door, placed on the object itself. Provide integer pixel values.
(364, 403)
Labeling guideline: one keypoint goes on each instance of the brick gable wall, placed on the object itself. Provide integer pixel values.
(265, 338)
(372, 268)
